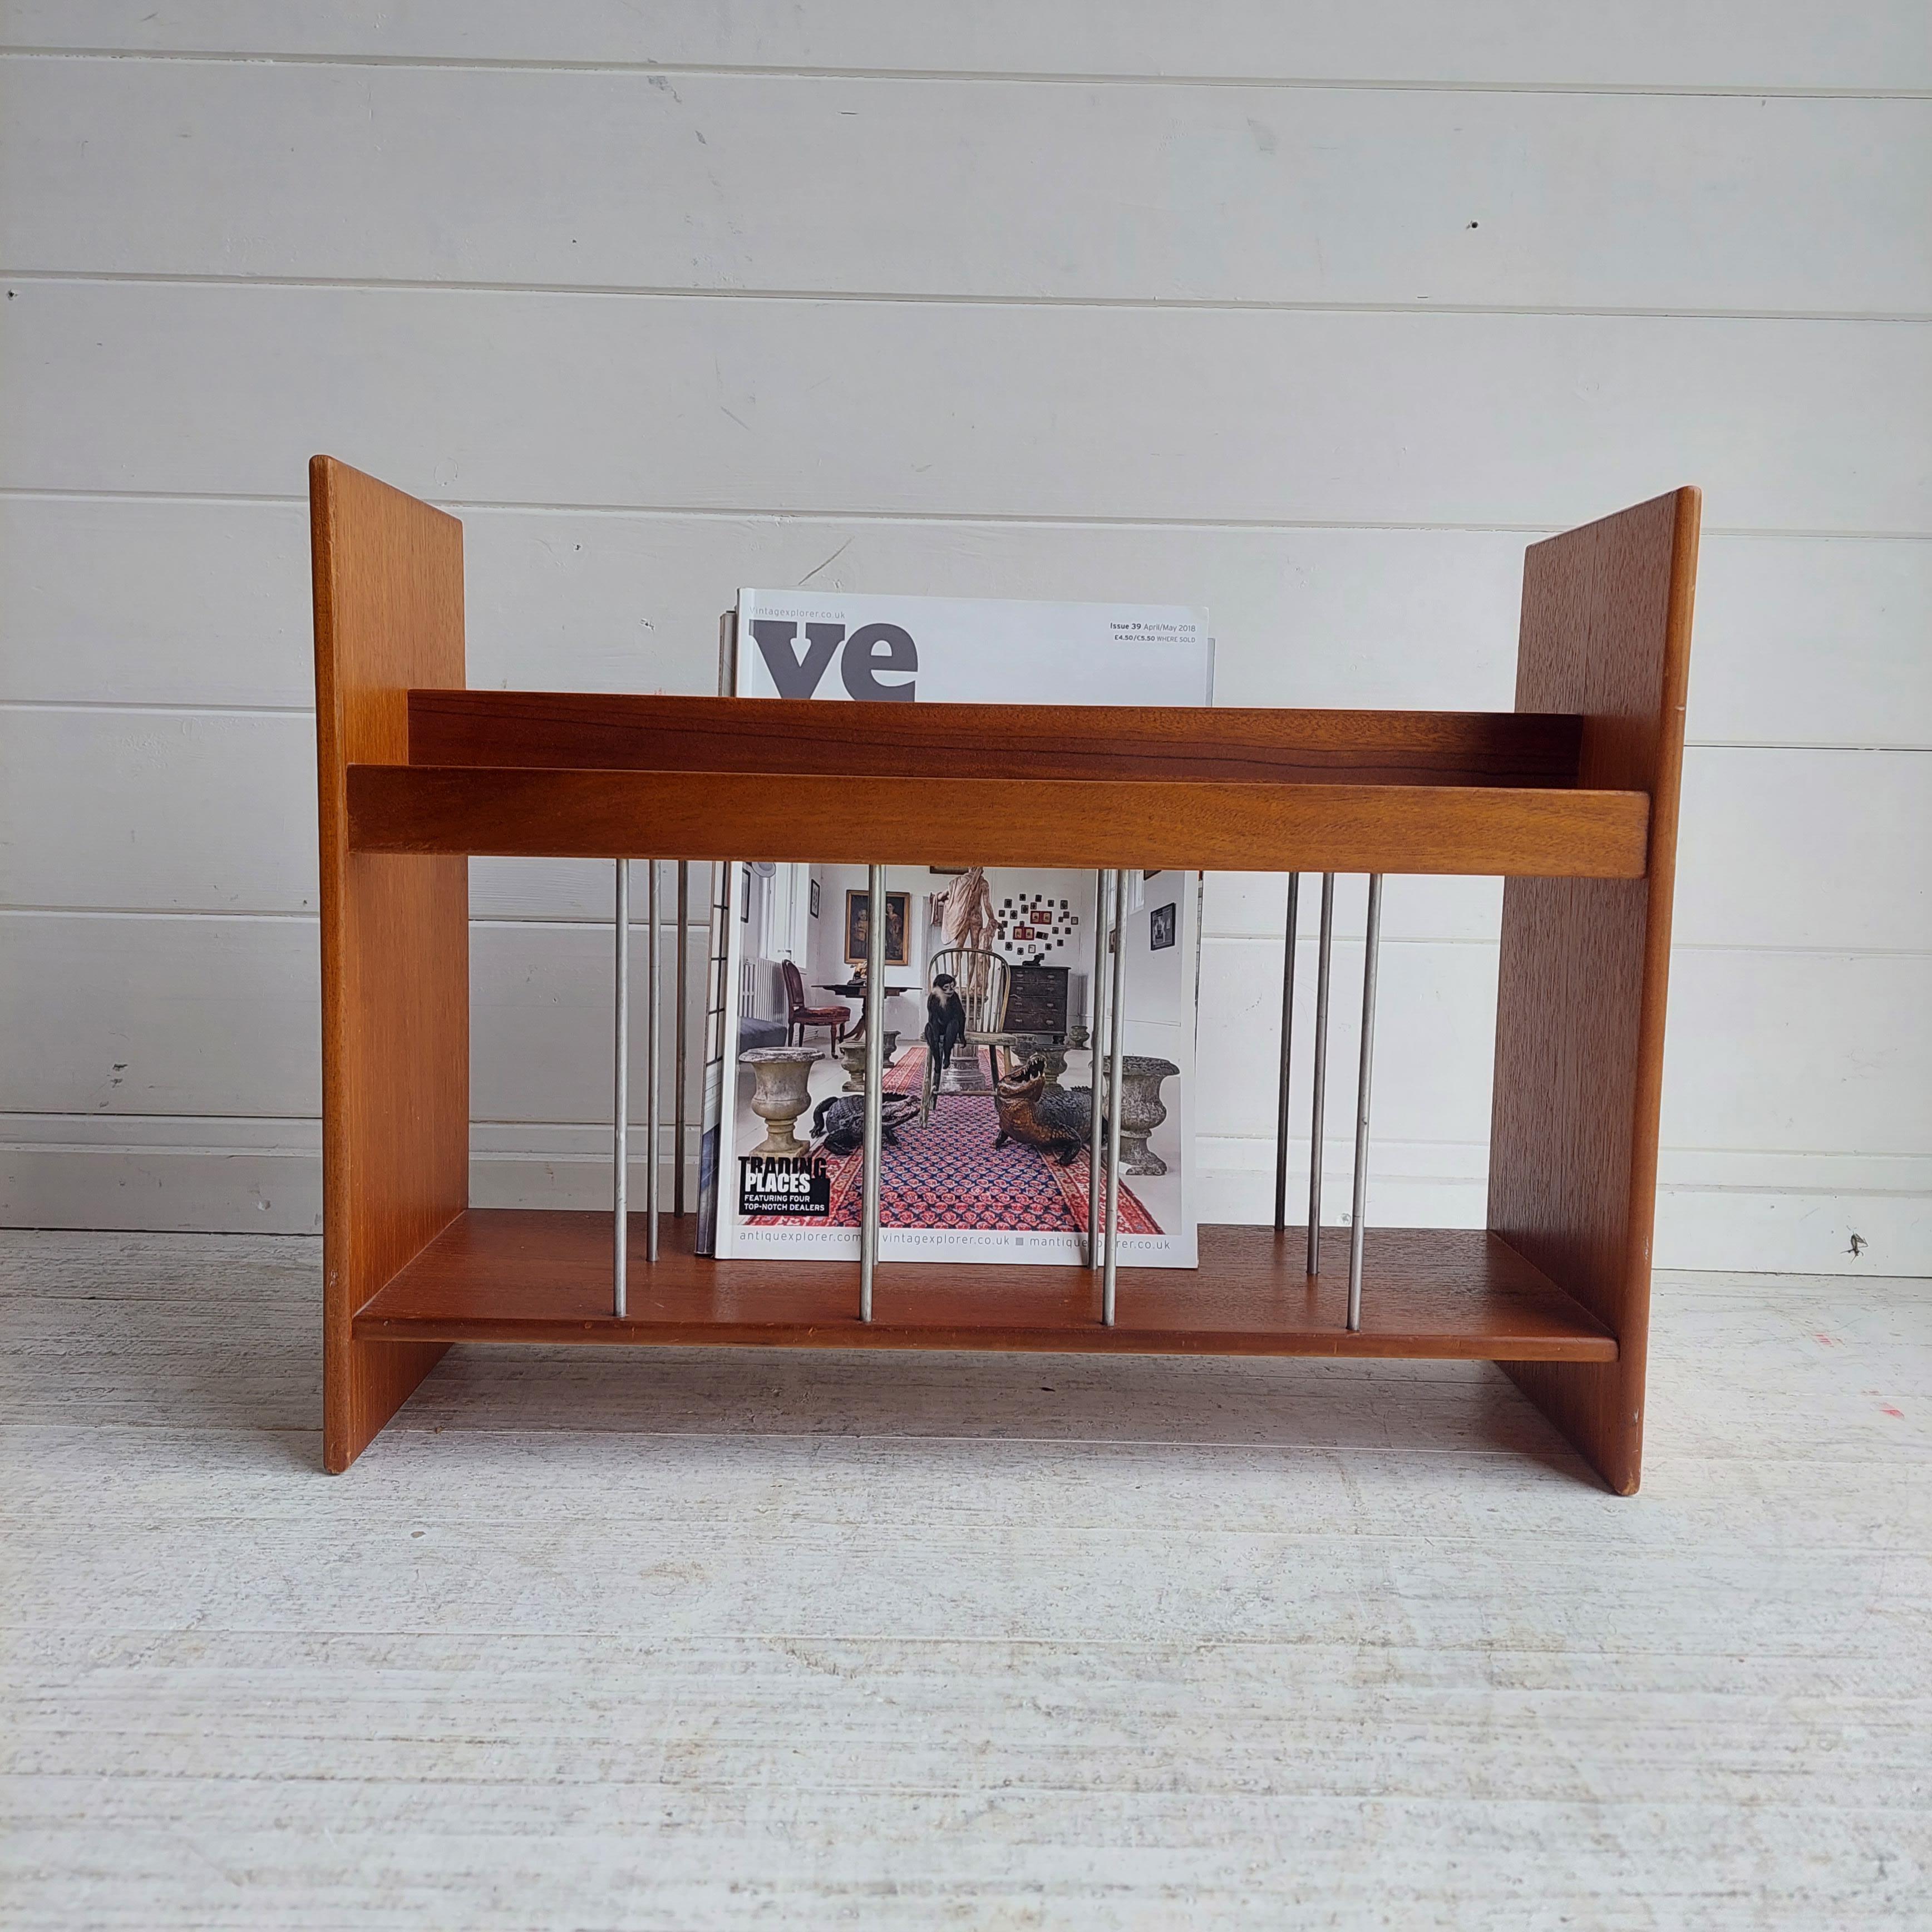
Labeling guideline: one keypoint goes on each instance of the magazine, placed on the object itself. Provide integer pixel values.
(988, 1001)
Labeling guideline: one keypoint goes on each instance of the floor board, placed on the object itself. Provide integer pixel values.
(694, 1638)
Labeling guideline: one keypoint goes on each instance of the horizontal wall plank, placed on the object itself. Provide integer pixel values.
(107, 1015)
(215, 812)
(1797, 1213)
(1766, 1051)
(1813, 1050)
(123, 602)
(1237, 905)
(1827, 849)
(1747, 43)
(587, 1146)
(164, 812)
(1435, 1039)
(1778, 1214)
(577, 179)
(575, 889)
(1799, 640)
(1811, 642)
(144, 1170)
(1798, 1050)
(1208, 416)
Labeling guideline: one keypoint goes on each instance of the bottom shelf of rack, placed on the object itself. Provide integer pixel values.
(516, 1275)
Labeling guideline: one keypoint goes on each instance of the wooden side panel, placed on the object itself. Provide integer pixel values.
(395, 941)
(1579, 1027)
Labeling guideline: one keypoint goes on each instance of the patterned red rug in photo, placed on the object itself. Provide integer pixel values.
(948, 1173)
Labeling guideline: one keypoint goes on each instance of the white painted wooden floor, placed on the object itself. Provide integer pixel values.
(604, 1640)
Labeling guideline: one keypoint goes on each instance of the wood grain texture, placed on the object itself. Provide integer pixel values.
(590, 730)
(1606, 616)
(509, 1275)
(395, 951)
(997, 822)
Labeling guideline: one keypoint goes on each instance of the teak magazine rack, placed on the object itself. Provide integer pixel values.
(1573, 797)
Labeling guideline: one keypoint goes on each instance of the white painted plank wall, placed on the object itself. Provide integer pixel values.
(1746, 46)
(1206, 193)
(1055, 409)
(1317, 315)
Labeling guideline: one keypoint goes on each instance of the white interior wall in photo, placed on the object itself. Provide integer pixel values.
(1314, 315)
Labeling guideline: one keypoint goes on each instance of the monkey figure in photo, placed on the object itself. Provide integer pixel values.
(838, 1124)
(1047, 1117)
(945, 1022)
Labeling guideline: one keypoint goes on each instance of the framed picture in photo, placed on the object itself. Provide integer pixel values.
(858, 927)
(1160, 928)
(814, 898)
(744, 895)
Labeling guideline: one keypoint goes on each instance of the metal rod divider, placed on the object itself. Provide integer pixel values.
(680, 1029)
(875, 1081)
(1370, 946)
(1116, 1032)
(620, 1109)
(1323, 960)
(653, 1064)
(1287, 1043)
(1095, 1006)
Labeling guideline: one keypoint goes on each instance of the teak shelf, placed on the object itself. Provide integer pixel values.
(1572, 797)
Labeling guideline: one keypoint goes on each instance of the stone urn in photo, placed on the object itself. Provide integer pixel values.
(784, 1092)
(1076, 1043)
(852, 1057)
(1141, 1111)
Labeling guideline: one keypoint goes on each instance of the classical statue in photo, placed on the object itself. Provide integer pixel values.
(965, 910)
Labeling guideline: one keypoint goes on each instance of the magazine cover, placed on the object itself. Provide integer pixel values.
(987, 1003)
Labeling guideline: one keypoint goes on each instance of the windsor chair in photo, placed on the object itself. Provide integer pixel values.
(982, 980)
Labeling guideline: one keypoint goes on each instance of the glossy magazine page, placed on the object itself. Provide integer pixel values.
(987, 1003)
